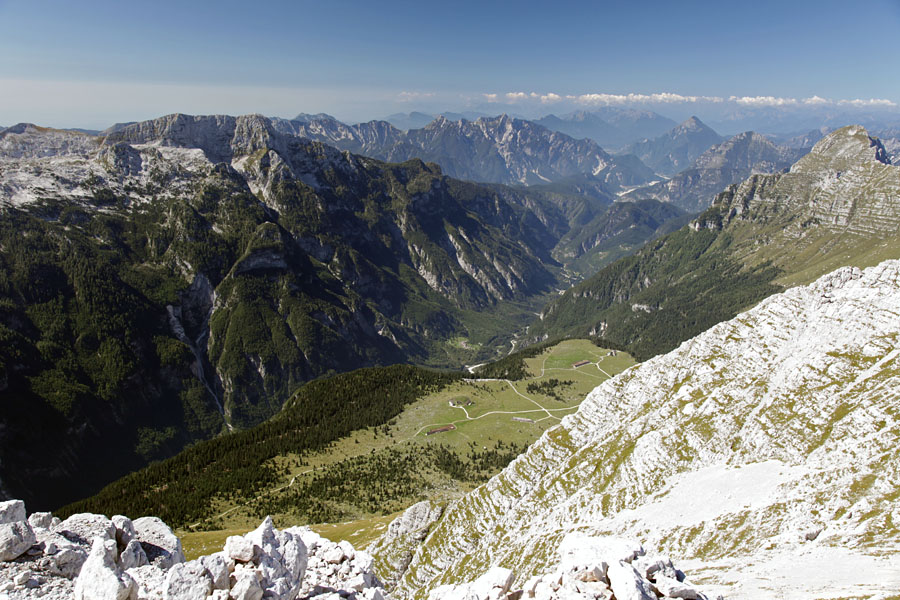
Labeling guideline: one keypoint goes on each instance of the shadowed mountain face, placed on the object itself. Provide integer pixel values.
(182, 276)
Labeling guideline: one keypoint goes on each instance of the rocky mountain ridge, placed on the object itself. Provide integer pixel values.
(731, 161)
(498, 149)
(783, 421)
(92, 557)
(846, 183)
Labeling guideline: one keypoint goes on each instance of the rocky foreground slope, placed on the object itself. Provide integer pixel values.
(92, 557)
(762, 453)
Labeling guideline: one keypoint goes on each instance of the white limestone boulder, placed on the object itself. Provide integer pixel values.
(627, 583)
(162, 546)
(217, 565)
(494, 583)
(41, 520)
(15, 539)
(66, 562)
(124, 530)
(651, 567)
(187, 581)
(133, 556)
(239, 548)
(100, 578)
(12, 511)
(672, 588)
(246, 585)
(150, 582)
(82, 528)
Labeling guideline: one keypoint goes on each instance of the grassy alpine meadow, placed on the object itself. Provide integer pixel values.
(441, 445)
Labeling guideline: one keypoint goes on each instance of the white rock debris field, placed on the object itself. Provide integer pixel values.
(92, 557)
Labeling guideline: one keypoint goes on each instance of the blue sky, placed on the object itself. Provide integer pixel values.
(92, 63)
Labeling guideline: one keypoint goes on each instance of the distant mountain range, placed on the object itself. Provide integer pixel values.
(418, 120)
(731, 161)
(838, 205)
(612, 128)
(677, 149)
(493, 150)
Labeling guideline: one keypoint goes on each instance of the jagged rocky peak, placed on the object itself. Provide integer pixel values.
(764, 448)
(844, 148)
(307, 117)
(692, 124)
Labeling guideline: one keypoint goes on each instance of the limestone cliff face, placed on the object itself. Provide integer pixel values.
(765, 447)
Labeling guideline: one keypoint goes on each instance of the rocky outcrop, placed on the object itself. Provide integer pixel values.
(91, 557)
(845, 184)
(393, 551)
(16, 535)
(297, 563)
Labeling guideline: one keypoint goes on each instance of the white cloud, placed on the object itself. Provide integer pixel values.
(880, 102)
(413, 96)
(762, 101)
(603, 99)
(657, 98)
(550, 98)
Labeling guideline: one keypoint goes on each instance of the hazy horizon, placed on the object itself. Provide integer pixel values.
(93, 64)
